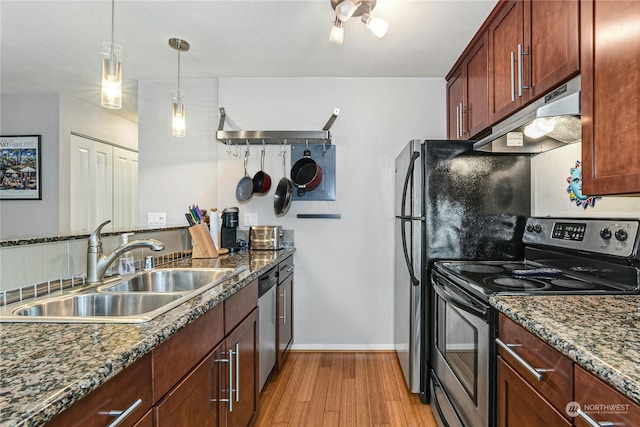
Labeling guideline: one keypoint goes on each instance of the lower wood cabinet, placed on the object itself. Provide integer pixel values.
(129, 391)
(520, 405)
(284, 311)
(602, 404)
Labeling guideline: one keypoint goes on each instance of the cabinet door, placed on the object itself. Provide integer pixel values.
(476, 104)
(603, 404)
(243, 343)
(610, 69)
(551, 40)
(284, 313)
(505, 33)
(519, 405)
(455, 100)
(194, 400)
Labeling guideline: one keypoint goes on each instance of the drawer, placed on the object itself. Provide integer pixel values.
(285, 269)
(239, 305)
(117, 394)
(602, 403)
(556, 370)
(176, 356)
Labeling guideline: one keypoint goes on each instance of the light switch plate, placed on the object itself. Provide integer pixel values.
(250, 218)
(157, 218)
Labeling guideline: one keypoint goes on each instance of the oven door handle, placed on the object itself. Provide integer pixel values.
(458, 301)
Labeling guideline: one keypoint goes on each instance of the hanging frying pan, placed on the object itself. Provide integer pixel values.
(284, 191)
(244, 189)
(261, 180)
(306, 173)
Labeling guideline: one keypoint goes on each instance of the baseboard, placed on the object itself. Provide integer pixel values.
(341, 347)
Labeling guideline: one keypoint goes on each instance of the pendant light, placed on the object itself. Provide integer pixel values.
(111, 92)
(347, 9)
(178, 117)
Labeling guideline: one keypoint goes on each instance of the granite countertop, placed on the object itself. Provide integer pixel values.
(600, 333)
(46, 367)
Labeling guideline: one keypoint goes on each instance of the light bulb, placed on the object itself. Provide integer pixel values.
(111, 91)
(377, 26)
(346, 9)
(178, 117)
(540, 127)
(337, 32)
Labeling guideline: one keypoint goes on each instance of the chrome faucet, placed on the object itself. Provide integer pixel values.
(97, 263)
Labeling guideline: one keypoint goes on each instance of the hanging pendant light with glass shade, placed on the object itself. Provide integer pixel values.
(178, 116)
(111, 92)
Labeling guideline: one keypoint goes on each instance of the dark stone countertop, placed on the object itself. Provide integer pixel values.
(46, 367)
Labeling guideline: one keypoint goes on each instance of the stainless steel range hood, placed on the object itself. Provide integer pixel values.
(560, 107)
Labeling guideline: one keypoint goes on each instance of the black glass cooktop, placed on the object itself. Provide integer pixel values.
(485, 278)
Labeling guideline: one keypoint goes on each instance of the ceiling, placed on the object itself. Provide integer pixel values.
(55, 46)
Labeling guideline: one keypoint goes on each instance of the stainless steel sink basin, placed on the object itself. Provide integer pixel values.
(172, 280)
(101, 307)
(138, 299)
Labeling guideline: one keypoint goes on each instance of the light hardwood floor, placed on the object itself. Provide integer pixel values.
(341, 389)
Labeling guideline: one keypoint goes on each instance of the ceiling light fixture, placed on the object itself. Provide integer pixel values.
(111, 92)
(346, 9)
(178, 117)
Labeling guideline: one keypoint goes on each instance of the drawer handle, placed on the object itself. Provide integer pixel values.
(123, 414)
(533, 371)
(289, 269)
(592, 422)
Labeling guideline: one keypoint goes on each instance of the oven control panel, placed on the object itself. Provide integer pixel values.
(604, 236)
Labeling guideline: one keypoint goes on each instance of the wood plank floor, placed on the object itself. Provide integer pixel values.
(341, 389)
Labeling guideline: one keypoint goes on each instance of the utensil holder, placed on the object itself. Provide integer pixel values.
(203, 246)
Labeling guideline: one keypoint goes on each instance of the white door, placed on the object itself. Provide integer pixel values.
(125, 188)
(91, 171)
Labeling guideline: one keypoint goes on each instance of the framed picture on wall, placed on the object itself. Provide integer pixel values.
(20, 167)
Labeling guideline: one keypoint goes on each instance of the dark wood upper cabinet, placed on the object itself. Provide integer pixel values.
(610, 68)
(533, 47)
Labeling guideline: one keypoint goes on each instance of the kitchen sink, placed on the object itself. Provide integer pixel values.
(135, 299)
(172, 280)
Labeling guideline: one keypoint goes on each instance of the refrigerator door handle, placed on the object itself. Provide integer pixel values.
(404, 218)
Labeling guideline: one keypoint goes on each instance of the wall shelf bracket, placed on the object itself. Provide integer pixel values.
(274, 137)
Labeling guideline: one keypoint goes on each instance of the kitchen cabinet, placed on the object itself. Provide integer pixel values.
(601, 403)
(206, 375)
(129, 389)
(284, 310)
(535, 381)
(468, 92)
(610, 72)
(533, 47)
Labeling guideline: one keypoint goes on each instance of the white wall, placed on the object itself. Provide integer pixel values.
(344, 267)
(176, 172)
(549, 189)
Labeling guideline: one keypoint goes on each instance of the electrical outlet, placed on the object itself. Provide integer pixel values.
(157, 218)
(250, 218)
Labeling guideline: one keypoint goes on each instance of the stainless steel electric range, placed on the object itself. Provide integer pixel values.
(562, 256)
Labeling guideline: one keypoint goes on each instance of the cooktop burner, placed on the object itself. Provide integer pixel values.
(481, 268)
(517, 283)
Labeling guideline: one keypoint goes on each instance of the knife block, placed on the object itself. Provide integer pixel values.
(203, 246)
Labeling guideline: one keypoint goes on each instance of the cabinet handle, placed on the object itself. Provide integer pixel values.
(284, 306)
(592, 422)
(521, 54)
(123, 414)
(457, 121)
(462, 129)
(513, 78)
(237, 389)
(289, 269)
(533, 371)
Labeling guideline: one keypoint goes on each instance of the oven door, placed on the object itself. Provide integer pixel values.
(461, 356)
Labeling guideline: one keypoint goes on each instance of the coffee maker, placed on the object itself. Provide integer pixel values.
(228, 235)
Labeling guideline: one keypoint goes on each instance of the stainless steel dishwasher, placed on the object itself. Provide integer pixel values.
(267, 324)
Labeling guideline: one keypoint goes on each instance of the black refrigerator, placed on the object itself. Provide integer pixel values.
(451, 203)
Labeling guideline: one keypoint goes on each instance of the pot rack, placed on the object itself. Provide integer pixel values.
(274, 137)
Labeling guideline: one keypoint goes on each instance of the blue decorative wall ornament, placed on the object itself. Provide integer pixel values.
(575, 188)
